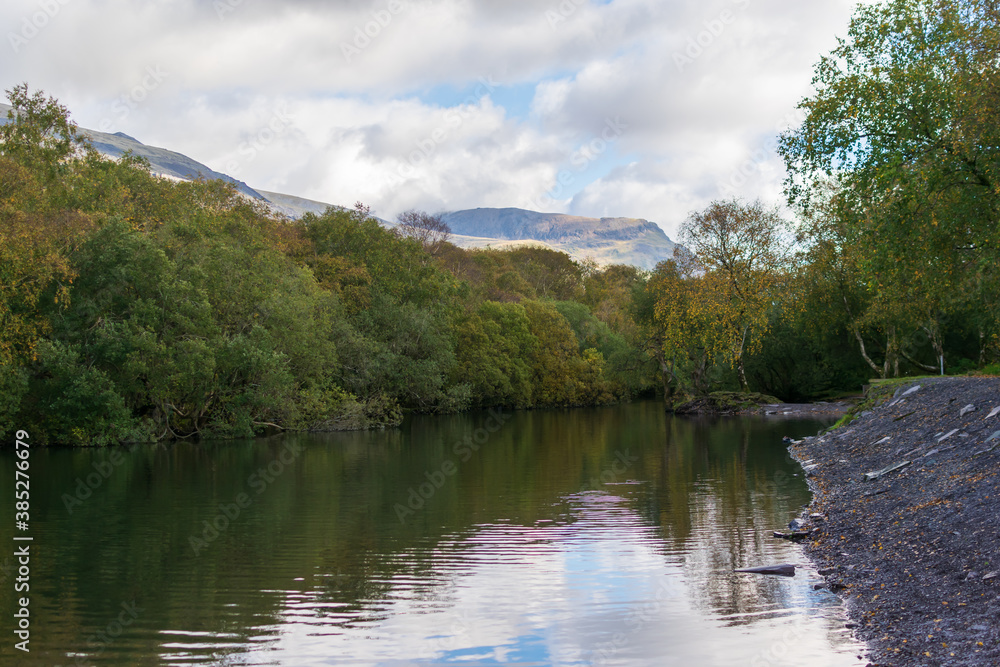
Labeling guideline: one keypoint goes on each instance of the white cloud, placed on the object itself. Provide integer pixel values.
(702, 88)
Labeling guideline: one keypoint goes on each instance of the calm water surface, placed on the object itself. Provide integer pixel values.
(578, 537)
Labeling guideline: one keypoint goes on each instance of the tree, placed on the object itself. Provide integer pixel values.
(683, 335)
(830, 280)
(740, 250)
(38, 132)
(887, 104)
(609, 293)
(494, 346)
(561, 375)
(553, 274)
(354, 247)
(430, 230)
(904, 118)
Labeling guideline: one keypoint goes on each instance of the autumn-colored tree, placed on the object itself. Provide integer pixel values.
(684, 334)
(609, 292)
(36, 237)
(741, 254)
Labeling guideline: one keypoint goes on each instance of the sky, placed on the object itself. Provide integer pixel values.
(602, 108)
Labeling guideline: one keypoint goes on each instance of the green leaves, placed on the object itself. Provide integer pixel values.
(903, 121)
(38, 134)
(136, 308)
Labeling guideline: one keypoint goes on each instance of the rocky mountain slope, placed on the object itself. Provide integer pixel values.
(605, 240)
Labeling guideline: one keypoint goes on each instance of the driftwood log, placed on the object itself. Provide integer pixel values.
(794, 535)
(784, 570)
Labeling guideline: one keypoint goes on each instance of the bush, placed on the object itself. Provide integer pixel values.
(76, 404)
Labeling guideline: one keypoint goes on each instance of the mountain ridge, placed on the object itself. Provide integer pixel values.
(162, 161)
(605, 240)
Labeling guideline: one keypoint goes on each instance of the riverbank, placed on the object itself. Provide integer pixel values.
(731, 403)
(906, 520)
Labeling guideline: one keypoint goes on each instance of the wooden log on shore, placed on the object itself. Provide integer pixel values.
(794, 535)
(783, 570)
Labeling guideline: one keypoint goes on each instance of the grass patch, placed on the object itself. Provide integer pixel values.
(992, 370)
(878, 392)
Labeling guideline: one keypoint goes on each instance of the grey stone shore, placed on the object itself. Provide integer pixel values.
(905, 522)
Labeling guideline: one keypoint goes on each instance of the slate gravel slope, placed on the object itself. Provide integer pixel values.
(915, 551)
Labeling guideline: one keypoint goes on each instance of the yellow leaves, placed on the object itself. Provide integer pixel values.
(33, 258)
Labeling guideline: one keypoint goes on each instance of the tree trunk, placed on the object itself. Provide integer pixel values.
(864, 352)
(744, 386)
(934, 333)
(861, 341)
(668, 386)
(740, 367)
(698, 374)
(930, 369)
(891, 354)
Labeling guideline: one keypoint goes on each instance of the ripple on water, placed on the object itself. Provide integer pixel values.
(510, 563)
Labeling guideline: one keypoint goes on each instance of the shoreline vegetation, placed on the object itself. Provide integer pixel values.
(136, 309)
(139, 309)
(903, 523)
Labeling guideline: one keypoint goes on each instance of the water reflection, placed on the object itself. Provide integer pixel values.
(562, 538)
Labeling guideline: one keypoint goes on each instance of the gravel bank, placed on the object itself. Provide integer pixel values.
(914, 551)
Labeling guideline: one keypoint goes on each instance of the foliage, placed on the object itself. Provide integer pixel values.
(430, 230)
(552, 274)
(493, 347)
(560, 375)
(902, 122)
(38, 132)
(739, 254)
(136, 308)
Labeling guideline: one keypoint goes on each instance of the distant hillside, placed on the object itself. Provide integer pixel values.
(292, 206)
(162, 161)
(605, 240)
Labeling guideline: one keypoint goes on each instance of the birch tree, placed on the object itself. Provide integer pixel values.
(740, 249)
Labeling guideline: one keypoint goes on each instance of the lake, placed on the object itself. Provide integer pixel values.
(576, 537)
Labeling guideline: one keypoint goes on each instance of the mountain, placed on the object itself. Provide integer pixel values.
(161, 161)
(294, 207)
(605, 240)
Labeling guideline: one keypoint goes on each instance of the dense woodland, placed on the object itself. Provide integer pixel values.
(133, 308)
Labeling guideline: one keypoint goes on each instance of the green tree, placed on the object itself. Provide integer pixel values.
(494, 347)
(38, 133)
(902, 119)
(552, 274)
